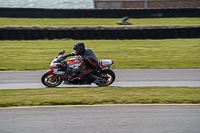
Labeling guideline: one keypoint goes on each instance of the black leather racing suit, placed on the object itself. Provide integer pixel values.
(89, 64)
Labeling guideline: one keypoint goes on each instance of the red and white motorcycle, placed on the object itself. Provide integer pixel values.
(57, 73)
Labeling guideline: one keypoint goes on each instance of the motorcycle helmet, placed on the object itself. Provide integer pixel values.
(79, 48)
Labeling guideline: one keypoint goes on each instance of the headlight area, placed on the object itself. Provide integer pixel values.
(54, 69)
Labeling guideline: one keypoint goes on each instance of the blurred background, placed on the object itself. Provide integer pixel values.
(89, 4)
(73, 4)
(155, 33)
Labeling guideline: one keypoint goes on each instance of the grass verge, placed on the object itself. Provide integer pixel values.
(99, 95)
(127, 54)
(99, 22)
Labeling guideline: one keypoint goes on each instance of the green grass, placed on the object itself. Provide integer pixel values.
(96, 21)
(99, 95)
(127, 54)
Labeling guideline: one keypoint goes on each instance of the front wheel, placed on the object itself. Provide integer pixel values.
(107, 74)
(49, 82)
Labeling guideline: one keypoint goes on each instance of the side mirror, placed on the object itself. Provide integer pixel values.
(62, 52)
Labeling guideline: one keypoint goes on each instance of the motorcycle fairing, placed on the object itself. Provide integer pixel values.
(55, 74)
(73, 62)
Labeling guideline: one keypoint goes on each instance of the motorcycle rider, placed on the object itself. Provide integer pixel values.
(89, 62)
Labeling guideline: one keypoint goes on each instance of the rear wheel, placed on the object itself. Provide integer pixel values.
(107, 74)
(48, 81)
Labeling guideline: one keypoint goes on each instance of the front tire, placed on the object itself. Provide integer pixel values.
(109, 75)
(47, 80)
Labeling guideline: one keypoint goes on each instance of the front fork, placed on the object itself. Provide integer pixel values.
(54, 75)
(51, 72)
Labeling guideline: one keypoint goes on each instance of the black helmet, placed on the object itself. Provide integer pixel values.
(79, 48)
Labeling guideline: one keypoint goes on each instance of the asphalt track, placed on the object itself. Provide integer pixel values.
(124, 78)
(102, 119)
(183, 118)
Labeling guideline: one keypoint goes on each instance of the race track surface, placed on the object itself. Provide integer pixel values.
(124, 78)
(102, 119)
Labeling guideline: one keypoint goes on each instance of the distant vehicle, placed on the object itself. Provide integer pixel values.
(123, 21)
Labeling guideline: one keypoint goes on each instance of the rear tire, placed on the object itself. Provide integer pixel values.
(107, 73)
(47, 80)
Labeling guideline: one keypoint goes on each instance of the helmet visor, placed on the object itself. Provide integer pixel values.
(75, 50)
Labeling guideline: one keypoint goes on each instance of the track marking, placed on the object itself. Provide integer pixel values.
(97, 105)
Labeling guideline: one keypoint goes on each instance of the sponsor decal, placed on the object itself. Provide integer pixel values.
(77, 61)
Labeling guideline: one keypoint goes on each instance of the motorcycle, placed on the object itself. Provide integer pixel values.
(58, 73)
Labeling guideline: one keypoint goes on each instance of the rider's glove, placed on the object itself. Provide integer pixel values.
(63, 62)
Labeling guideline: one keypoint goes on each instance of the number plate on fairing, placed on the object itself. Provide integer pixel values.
(105, 62)
(73, 62)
